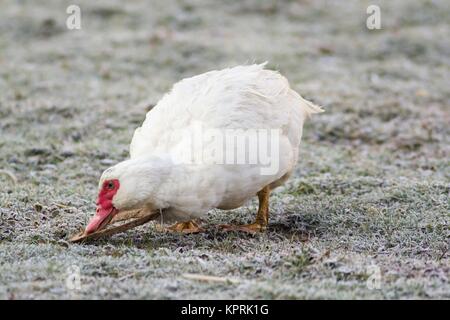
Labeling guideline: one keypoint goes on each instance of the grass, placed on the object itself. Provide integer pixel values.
(371, 187)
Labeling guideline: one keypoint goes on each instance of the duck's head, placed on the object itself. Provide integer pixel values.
(128, 185)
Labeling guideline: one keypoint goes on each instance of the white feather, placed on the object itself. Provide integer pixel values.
(243, 97)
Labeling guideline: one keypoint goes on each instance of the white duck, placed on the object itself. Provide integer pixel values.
(184, 159)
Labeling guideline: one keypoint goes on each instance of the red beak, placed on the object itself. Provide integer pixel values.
(101, 219)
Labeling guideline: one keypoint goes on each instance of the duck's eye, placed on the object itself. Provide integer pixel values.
(110, 185)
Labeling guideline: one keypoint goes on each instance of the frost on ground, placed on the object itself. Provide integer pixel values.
(365, 216)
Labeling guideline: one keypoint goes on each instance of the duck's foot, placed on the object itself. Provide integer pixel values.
(185, 227)
(249, 228)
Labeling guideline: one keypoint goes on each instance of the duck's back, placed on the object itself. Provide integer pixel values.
(243, 97)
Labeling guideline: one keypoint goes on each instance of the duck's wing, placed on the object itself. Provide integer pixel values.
(243, 97)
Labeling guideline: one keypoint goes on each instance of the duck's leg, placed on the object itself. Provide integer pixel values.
(185, 227)
(262, 217)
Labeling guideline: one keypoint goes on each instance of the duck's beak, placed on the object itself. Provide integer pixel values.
(101, 219)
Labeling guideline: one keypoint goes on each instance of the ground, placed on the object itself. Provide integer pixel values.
(366, 214)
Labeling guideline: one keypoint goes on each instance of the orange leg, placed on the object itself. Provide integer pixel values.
(262, 217)
(185, 227)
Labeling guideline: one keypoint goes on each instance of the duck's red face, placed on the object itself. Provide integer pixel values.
(105, 208)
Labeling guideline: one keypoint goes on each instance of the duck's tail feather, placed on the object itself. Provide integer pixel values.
(309, 107)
